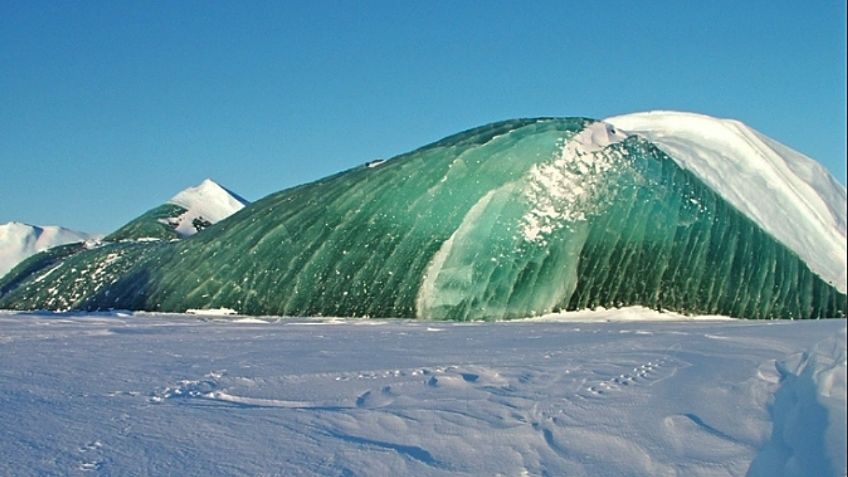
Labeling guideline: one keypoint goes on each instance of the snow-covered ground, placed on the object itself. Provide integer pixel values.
(192, 395)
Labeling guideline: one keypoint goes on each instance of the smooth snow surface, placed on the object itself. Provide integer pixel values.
(785, 192)
(19, 241)
(207, 200)
(178, 395)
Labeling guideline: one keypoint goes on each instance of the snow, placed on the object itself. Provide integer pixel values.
(626, 314)
(211, 311)
(19, 241)
(147, 394)
(207, 200)
(566, 188)
(785, 192)
(813, 394)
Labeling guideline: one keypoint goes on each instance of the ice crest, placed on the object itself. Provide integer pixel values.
(567, 188)
(785, 192)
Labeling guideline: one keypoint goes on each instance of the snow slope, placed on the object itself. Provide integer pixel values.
(785, 192)
(18, 241)
(207, 200)
(181, 395)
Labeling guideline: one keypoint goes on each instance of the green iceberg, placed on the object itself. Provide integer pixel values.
(514, 219)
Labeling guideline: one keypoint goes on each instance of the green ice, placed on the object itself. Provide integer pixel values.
(156, 223)
(494, 223)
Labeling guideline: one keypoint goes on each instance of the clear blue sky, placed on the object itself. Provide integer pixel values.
(108, 108)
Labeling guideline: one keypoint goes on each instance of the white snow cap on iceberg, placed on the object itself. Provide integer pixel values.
(207, 201)
(786, 193)
(19, 241)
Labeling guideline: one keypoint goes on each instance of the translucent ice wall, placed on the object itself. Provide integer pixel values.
(513, 219)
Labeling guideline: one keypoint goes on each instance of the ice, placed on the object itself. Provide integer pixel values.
(566, 189)
(514, 219)
(785, 192)
(211, 311)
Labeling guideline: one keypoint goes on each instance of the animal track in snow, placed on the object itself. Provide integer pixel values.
(189, 388)
(647, 373)
(266, 392)
(92, 460)
(374, 399)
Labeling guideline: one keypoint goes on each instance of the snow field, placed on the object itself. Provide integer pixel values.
(173, 394)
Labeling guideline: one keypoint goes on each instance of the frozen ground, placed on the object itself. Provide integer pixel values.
(184, 395)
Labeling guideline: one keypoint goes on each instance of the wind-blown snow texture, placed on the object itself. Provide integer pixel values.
(19, 241)
(172, 395)
(509, 220)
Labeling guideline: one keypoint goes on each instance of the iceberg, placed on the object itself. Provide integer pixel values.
(514, 219)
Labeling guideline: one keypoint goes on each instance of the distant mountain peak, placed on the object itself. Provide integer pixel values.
(186, 213)
(19, 240)
(207, 202)
(207, 189)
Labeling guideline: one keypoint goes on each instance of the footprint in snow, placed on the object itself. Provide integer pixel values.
(92, 460)
(644, 374)
(374, 399)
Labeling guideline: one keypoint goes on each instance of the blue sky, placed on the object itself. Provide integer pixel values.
(109, 108)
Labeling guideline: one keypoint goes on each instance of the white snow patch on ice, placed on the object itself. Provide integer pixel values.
(19, 241)
(206, 201)
(565, 189)
(786, 193)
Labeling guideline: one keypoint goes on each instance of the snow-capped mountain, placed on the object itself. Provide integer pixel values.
(19, 241)
(188, 212)
(206, 202)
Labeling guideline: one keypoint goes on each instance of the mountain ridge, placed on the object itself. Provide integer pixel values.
(19, 241)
